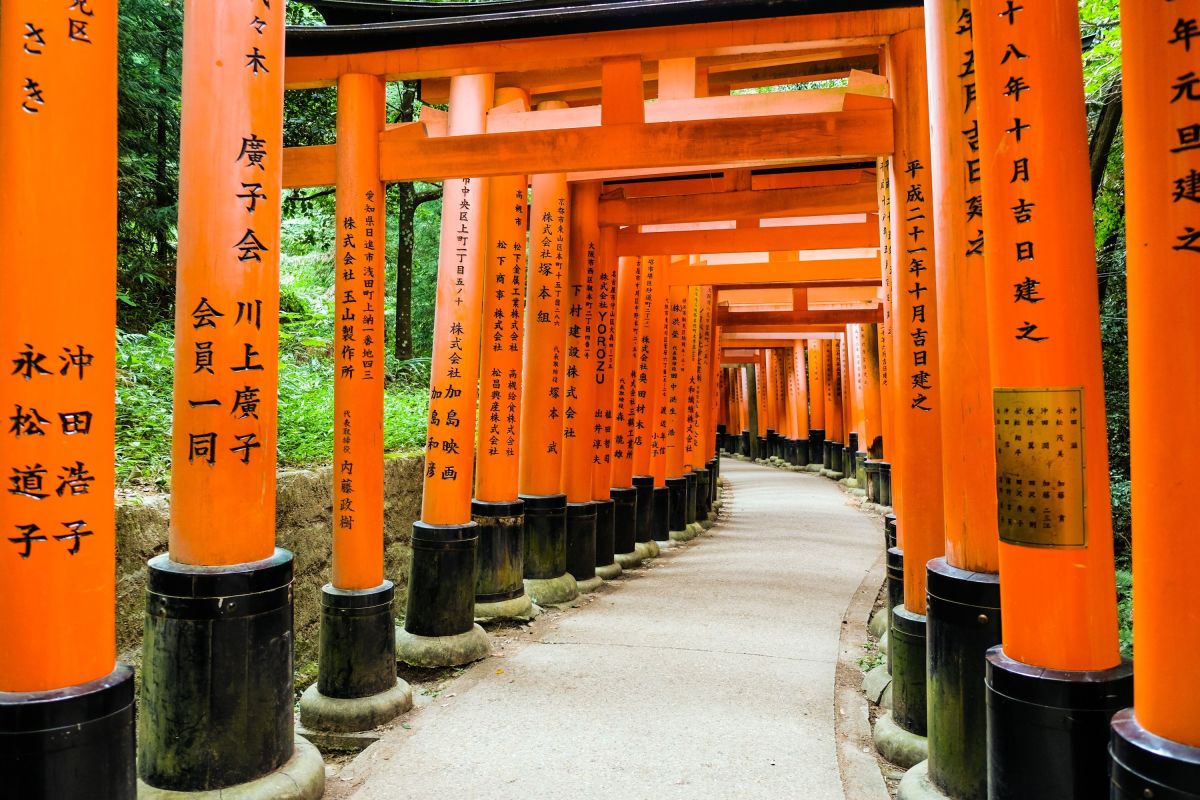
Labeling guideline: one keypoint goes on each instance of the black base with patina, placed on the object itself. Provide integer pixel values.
(644, 488)
(703, 493)
(1147, 765)
(625, 512)
(677, 504)
(441, 581)
(75, 742)
(885, 483)
(581, 540)
(217, 695)
(545, 536)
(661, 513)
(689, 502)
(357, 650)
(895, 591)
(606, 534)
(500, 553)
(963, 622)
(1048, 730)
(907, 642)
(816, 446)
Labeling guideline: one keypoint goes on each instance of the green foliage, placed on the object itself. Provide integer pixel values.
(151, 38)
(1125, 610)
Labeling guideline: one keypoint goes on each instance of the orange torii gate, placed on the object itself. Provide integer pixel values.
(795, 252)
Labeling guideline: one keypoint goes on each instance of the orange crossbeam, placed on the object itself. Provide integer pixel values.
(759, 140)
(825, 200)
(745, 240)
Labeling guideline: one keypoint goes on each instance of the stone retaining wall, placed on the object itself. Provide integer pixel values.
(304, 504)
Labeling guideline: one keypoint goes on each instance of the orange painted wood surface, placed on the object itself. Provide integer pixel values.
(759, 140)
(849, 199)
(1043, 314)
(457, 322)
(744, 240)
(227, 289)
(498, 456)
(360, 221)
(545, 356)
(1164, 369)
(58, 220)
(968, 452)
(579, 381)
(626, 350)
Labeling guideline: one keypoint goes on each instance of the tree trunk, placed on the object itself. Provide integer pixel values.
(406, 209)
(1105, 133)
(163, 190)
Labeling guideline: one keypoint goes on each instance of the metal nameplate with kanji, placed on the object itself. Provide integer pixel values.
(1040, 485)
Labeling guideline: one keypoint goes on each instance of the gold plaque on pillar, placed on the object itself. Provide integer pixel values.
(1040, 467)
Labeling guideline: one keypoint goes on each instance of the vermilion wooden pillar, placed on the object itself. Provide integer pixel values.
(1156, 745)
(885, 332)
(803, 416)
(439, 628)
(546, 296)
(211, 680)
(627, 510)
(603, 427)
(917, 420)
(1060, 653)
(356, 686)
(963, 588)
(660, 330)
(579, 395)
(816, 403)
(675, 391)
(58, 383)
(496, 508)
(648, 464)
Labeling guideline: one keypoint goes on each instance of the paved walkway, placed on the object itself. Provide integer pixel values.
(708, 675)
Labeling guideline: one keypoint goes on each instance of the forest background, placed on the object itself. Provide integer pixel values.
(150, 65)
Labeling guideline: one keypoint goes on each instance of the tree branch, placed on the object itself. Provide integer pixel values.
(429, 195)
(1104, 134)
(299, 198)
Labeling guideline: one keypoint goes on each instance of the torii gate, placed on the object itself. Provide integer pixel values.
(560, 91)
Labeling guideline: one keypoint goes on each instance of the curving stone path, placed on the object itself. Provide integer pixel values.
(709, 675)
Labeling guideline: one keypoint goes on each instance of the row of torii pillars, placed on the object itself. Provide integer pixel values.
(587, 460)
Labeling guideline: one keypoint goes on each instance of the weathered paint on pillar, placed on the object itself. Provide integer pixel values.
(579, 399)
(498, 458)
(545, 362)
(914, 306)
(872, 408)
(816, 387)
(626, 351)
(690, 372)
(227, 295)
(886, 331)
(646, 392)
(799, 364)
(603, 431)
(358, 355)
(675, 384)
(1045, 337)
(956, 195)
(1162, 178)
(454, 381)
(58, 221)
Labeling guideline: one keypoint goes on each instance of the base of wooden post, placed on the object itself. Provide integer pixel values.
(71, 742)
(1048, 731)
(1147, 765)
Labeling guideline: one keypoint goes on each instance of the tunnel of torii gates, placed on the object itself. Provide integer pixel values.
(640, 266)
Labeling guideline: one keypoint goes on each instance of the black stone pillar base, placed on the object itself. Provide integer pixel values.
(547, 580)
(714, 475)
(644, 487)
(834, 457)
(860, 469)
(722, 439)
(703, 494)
(607, 567)
(849, 456)
(889, 530)
(357, 688)
(74, 743)
(581, 546)
(1147, 765)
(689, 502)
(500, 558)
(885, 484)
(1048, 730)
(661, 513)
(677, 491)
(907, 638)
(816, 445)
(895, 591)
(871, 468)
(439, 624)
(216, 702)
(625, 511)
(746, 444)
(802, 456)
(963, 622)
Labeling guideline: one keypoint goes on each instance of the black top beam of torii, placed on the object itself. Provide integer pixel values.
(362, 26)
